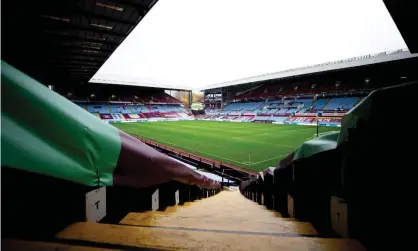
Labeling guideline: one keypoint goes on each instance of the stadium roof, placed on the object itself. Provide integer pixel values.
(324, 67)
(67, 40)
(139, 82)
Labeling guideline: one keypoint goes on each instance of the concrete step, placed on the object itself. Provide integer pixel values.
(175, 239)
(266, 215)
(19, 245)
(230, 205)
(220, 223)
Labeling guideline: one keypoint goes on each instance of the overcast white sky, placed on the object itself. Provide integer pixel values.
(194, 43)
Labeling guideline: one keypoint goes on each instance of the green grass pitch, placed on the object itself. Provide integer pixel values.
(248, 145)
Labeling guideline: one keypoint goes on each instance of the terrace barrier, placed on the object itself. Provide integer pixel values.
(62, 165)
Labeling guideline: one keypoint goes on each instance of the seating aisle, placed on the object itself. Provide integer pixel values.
(227, 221)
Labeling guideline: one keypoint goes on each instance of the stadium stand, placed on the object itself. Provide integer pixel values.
(278, 119)
(120, 109)
(64, 169)
(98, 108)
(300, 197)
(161, 106)
(340, 104)
(282, 111)
(337, 174)
(319, 104)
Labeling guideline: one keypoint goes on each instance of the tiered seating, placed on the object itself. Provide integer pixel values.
(275, 90)
(320, 103)
(300, 120)
(133, 116)
(163, 97)
(341, 103)
(244, 107)
(122, 112)
(292, 110)
(102, 109)
(139, 108)
(280, 110)
(257, 93)
(272, 91)
(171, 115)
(200, 225)
(261, 118)
(152, 115)
(118, 116)
(233, 107)
(278, 119)
(330, 121)
(106, 116)
(304, 101)
(120, 109)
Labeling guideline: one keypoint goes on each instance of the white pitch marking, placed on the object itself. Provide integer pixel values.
(267, 143)
(198, 151)
(255, 163)
(246, 136)
(243, 163)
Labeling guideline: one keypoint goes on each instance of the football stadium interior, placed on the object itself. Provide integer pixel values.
(303, 159)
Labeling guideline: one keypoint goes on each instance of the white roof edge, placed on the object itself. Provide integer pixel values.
(116, 80)
(340, 64)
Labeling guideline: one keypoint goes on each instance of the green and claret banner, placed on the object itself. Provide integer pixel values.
(45, 133)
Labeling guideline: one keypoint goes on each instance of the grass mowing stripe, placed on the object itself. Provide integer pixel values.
(170, 143)
(267, 144)
(263, 134)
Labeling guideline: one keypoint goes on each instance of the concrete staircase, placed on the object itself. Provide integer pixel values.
(227, 221)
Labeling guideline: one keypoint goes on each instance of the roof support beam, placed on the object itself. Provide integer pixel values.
(58, 36)
(73, 53)
(77, 62)
(79, 59)
(80, 48)
(140, 8)
(81, 71)
(90, 16)
(62, 47)
(71, 67)
(62, 26)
